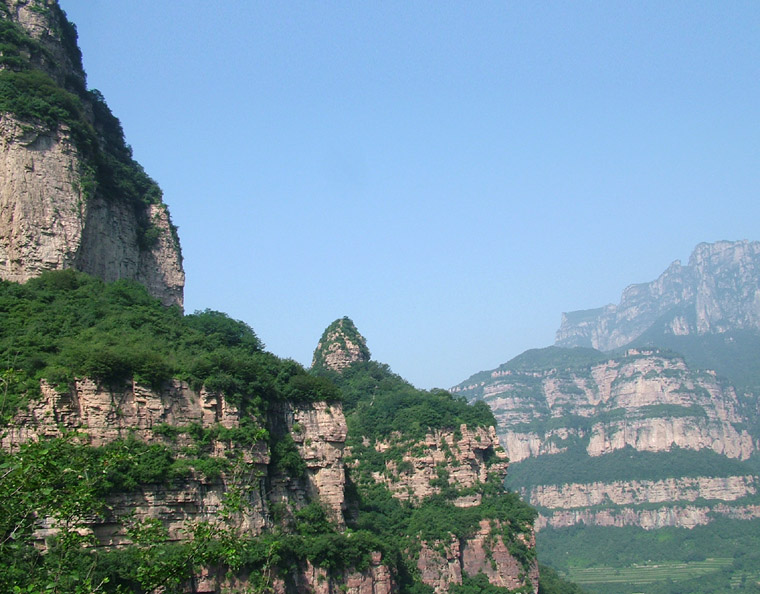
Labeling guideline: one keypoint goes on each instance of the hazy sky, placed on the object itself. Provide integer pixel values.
(450, 175)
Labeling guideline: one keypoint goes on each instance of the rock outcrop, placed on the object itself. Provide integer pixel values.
(61, 204)
(341, 345)
(718, 290)
(139, 412)
(644, 399)
(461, 460)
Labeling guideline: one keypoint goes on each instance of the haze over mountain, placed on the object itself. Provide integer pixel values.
(642, 426)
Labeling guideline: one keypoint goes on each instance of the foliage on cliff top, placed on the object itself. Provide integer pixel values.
(377, 403)
(66, 324)
(576, 466)
(545, 359)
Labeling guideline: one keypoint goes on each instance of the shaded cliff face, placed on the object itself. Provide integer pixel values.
(636, 439)
(718, 291)
(70, 194)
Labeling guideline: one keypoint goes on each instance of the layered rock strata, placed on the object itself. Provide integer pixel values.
(643, 400)
(318, 429)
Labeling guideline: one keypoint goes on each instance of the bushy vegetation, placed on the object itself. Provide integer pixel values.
(66, 324)
(378, 402)
(555, 358)
(576, 466)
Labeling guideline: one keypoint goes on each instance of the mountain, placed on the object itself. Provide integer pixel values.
(155, 451)
(641, 426)
(144, 450)
(71, 195)
(718, 291)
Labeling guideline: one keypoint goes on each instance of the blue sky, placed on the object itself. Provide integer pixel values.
(452, 176)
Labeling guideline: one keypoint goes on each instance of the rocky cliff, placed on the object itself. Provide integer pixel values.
(645, 399)
(175, 418)
(459, 460)
(579, 413)
(341, 345)
(719, 290)
(436, 463)
(70, 194)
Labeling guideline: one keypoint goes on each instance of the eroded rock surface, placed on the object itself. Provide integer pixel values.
(54, 213)
(718, 290)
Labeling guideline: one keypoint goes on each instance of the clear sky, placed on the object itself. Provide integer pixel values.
(450, 175)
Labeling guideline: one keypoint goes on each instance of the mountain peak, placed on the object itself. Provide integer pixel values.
(341, 345)
(718, 291)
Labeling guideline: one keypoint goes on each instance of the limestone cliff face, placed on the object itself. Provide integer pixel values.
(340, 346)
(465, 459)
(719, 290)
(443, 563)
(58, 206)
(574, 495)
(458, 459)
(671, 516)
(318, 430)
(684, 502)
(645, 399)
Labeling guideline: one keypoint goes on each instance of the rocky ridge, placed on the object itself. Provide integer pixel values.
(60, 203)
(643, 401)
(718, 290)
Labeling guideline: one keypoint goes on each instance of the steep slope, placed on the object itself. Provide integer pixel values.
(427, 470)
(718, 291)
(71, 196)
(154, 451)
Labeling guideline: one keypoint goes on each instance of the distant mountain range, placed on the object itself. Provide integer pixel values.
(644, 417)
(717, 292)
